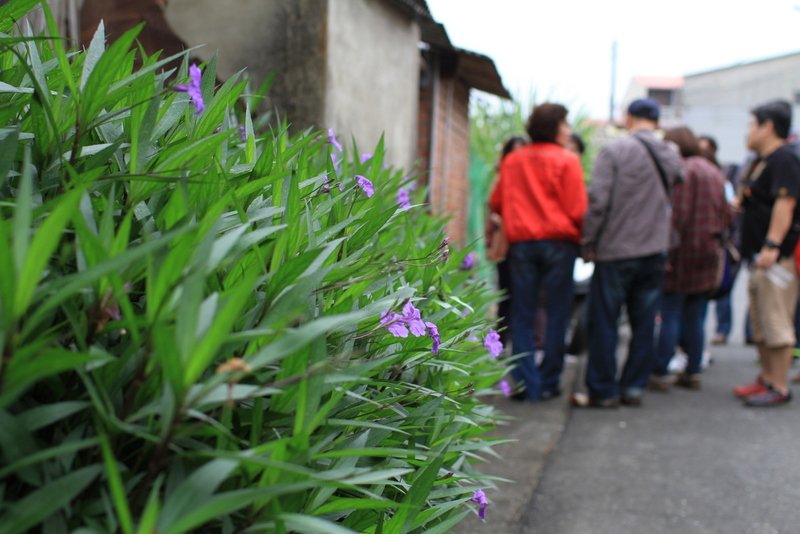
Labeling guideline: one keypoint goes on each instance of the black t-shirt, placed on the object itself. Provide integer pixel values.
(766, 180)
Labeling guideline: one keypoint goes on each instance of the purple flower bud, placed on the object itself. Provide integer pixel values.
(433, 332)
(403, 200)
(365, 185)
(365, 157)
(243, 133)
(493, 344)
(479, 498)
(332, 140)
(505, 387)
(193, 89)
(469, 262)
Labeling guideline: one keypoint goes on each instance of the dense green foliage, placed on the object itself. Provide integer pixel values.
(190, 315)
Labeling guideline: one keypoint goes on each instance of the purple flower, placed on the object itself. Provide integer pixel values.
(433, 332)
(365, 185)
(332, 140)
(469, 262)
(505, 387)
(493, 344)
(403, 199)
(394, 324)
(365, 157)
(193, 89)
(242, 133)
(479, 498)
(413, 319)
(473, 338)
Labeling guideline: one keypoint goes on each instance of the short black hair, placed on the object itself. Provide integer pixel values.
(544, 122)
(779, 112)
(579, 144)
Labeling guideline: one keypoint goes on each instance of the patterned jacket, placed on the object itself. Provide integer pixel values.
(700, 214)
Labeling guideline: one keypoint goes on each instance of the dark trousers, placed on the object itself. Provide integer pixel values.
(534, 265)
(635, 283)
(682, 318)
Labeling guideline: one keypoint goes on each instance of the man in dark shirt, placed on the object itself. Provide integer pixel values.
(770, 228)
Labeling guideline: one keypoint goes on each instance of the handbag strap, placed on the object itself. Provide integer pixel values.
(657, 163)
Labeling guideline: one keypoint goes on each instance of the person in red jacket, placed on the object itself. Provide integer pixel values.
(541, 198)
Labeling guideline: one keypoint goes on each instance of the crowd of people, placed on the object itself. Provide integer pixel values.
(666, 227)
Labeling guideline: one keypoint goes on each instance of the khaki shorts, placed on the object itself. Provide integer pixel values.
(773, 299)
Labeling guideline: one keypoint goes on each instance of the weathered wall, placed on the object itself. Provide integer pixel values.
(718, 102)
(281, 36)
(352, 65)
(372, 76)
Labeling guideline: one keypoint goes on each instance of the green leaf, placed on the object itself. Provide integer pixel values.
(218, 506)
(45, 241)
(11, 12)
(8, 150)
(93, 53)
(193, 492)
(115, 486)
(23, 215)
(26, 369)
(22, 515)
(47, 414)
(312, 525)
(415, 498)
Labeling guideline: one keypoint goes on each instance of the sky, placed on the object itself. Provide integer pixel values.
(560, 50)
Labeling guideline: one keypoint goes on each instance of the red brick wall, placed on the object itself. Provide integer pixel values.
(449, 177)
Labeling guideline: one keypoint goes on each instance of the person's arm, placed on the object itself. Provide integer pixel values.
(779, 224)
(599, 200)
(573, 194)
(496, 197)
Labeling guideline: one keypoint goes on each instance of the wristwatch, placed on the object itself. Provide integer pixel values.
(769, 243)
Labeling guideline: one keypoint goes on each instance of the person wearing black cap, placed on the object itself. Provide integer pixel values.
(626, 232)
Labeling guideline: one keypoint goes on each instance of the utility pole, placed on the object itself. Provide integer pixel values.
(613, 81)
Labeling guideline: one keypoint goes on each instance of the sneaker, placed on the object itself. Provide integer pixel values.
(759, 386)
(662, 384)
(633, 400)
(549, 394)
(770, 397)
(689, 381)
(582, 400)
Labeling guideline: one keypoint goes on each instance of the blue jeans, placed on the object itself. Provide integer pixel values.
(682, 316)
(534, 265)
(635, 283)
(724, 315)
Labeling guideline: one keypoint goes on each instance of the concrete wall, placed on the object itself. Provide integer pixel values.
(352, 65)
(372, 76)
(280, 36)
(718, 102)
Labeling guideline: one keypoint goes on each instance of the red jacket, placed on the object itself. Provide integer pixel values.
(540, 194)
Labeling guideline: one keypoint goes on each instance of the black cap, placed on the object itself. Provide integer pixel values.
(645, 108)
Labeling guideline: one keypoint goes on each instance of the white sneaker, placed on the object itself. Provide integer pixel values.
(678, 363)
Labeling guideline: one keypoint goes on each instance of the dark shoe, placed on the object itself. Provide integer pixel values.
(759, 386)
(771, 397)
(518, 396)
(633, 401)
(549, 394)
(582, 400)
(689, 381)
(662, 384)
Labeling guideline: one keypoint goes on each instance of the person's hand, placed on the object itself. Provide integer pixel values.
(767, 257)
(587, 255)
